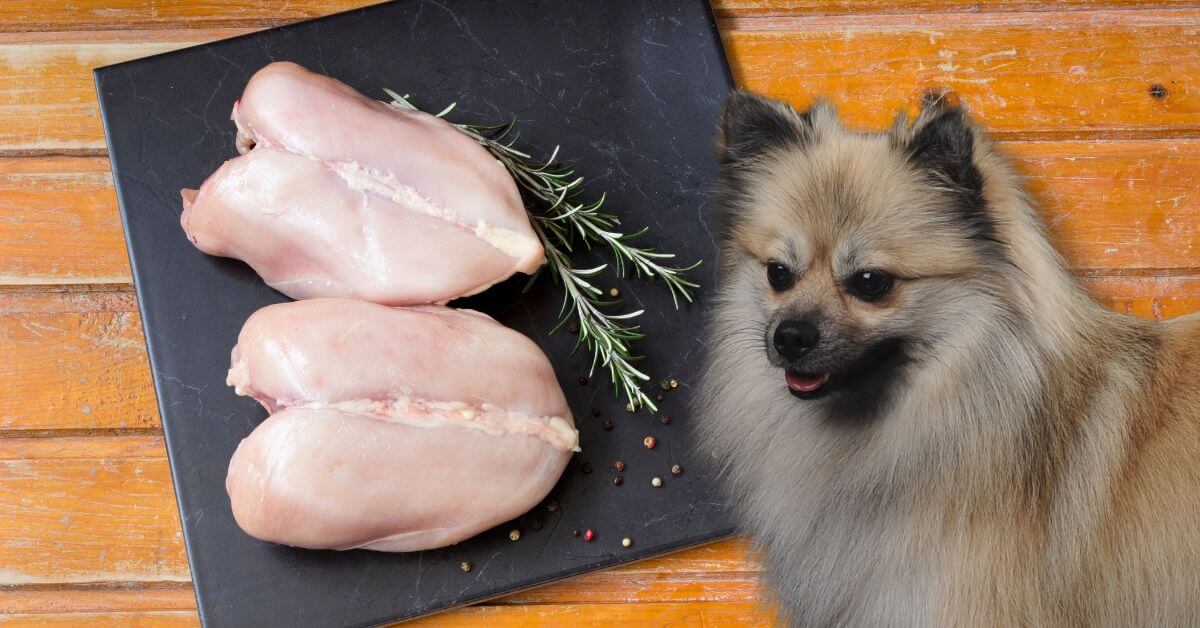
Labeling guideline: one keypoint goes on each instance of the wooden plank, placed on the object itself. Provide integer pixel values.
(161, 619)
(1027, 75)
(94, 598)
(59, 223)
(47, 97)
(690, 614)
(83, 520)
(76, 361)
(746, 8)
(1112, 204)
(73, 361)
(698, 614)
(55, 15)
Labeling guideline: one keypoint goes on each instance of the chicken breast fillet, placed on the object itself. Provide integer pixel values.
(339, 195)
(393, 429)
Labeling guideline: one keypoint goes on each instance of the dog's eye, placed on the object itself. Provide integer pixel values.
(779, 276)
(869, 285)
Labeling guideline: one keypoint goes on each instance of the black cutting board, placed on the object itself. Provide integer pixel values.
(630, 89)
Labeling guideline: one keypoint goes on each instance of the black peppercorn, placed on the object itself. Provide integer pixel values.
(536, 523)
(582, 381)
(574, 532)
(608, 424)
(676, 470)
(666, 419)
(596, 412)
(618, 480)
(586, 467)
(552, 506)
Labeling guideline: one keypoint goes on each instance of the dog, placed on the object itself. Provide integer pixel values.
(919, 416)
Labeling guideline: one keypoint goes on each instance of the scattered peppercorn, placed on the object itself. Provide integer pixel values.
(586, 467)
(552, 506)
(614, 293)
(666, 419)
(656, 482)
(465, 566)
(626, 542)
(660, 397)
(617, 481)
(608, 424)
(574, 328)
(676, 470)
(582, 381)
(674, 383)
(589, 535)
(650, 442)
(1158, 91)
(514, 535)
(574, 532)
(536, 523)
(629, 407)
(596, 412)
(665, 384)
(619, 465)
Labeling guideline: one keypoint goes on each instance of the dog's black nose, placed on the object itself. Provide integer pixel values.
(794, 338)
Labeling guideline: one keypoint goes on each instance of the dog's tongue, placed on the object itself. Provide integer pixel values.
(803, 382)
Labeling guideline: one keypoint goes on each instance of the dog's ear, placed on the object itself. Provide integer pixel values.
(751, 125)
(943, 143)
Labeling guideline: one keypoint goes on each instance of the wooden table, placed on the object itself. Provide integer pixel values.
(1096, 99)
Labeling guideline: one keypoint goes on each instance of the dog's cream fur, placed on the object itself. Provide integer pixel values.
(1037, 462)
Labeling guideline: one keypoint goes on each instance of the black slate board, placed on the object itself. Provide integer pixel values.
(630, 89)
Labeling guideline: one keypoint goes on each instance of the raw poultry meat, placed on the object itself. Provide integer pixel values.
(394, 429)
(339, 195)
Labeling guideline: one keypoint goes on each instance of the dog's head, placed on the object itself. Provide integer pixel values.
(853, 253)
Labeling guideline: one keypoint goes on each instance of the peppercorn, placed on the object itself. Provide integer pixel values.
(574, 532)
(656, 482)
(665, 384)
(676, 470)
(608, 424)
(666, 419)
(650, 442)
(465, 566)
(586, 467)
(589, 535)
(552, 506)
(617, 481)
(536, 523)
(614, 293)
(514, 535)
(660, 397)
(629, 407)
(674, 383)
(596, 412)
(619, 465)
(574, 328)
(626, 542)
(582, 381)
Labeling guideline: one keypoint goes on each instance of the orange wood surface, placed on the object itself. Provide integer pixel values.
(89, 533)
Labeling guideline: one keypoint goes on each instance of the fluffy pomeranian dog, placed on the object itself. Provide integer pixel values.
(922, 418)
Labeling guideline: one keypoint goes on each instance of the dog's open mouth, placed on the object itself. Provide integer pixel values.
(805, 385)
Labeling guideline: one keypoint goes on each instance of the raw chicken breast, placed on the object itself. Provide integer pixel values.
(340, 195)
(394, 429)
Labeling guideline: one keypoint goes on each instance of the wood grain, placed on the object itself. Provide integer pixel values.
(1028, 74)
(160, 619)
(59, 223)
(1076, 73)
(83, 520)
(55, 15)
(73, 361)
(692, 614)
(1113, 205)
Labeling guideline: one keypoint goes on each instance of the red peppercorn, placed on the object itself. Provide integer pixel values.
(589, 535)
(619, 465)
(583, 381)
(649, 442)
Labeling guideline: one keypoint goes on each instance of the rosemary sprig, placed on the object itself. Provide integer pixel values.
(565, 217)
